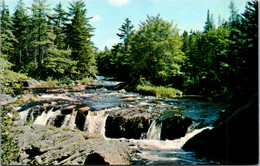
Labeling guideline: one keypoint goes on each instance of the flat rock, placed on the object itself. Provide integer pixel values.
(43, 145)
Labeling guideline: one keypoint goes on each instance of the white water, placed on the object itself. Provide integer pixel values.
(72, 124)
(165, 152)
(23, 115)
(154, 131)
(95, 122)
(43, 118)
(53, 117)
(66, 121)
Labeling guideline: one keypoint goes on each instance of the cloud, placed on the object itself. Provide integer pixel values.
(119, 2)
(111, 42)
(96, 18)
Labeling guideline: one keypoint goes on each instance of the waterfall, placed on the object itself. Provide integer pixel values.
(66, 121)
(23, 115)
(53, 117)
(43, 118)
(154, 131)
(95, 122)
(72, 124)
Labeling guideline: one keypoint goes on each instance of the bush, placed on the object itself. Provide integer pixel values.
(159, 91)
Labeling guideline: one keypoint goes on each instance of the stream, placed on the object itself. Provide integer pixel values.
(52, 108)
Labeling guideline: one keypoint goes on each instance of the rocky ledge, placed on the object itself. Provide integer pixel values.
(48, 145)
(233, 140)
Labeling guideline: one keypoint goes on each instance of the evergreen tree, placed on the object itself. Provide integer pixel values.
(78, 39)
(7, 37)
(126, 33)
(59, 19)
(21, 32)
(209, 24)
(235, 17)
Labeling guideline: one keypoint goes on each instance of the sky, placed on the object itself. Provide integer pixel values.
(109, 15)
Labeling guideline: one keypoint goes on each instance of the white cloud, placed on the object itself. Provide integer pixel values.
(111, 42)
(119, 2)
(96, 18)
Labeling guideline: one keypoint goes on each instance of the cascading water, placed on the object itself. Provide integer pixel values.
(151, 150)
(66, 121)
(43, 118)
(154, 131)
(95, 122)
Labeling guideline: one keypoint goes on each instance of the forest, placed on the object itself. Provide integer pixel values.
(48, 44)
(55, 45)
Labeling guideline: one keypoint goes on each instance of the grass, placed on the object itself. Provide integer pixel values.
(159, 91)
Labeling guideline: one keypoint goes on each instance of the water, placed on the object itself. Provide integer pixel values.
(150, 149)
(95, 122)
(154, 132)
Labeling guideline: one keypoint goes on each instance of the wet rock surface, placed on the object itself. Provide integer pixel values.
(129, 123)
(233, 140)
(43, 145)
(107, 117)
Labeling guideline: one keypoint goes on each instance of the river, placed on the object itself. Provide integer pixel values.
(150, 150)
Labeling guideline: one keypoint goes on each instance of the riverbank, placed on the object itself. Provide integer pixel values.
(119, 115)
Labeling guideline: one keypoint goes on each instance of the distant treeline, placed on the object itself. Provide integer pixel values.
(220, 61)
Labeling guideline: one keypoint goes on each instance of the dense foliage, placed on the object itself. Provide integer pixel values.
(35, 43)
(219, 62)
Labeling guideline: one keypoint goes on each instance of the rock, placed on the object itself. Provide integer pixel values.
(79, 105)
(102, 89)
(97, 98)
(53, 103)
(68, 109)
(29, 83)
(175, 127)
(233, 141)
(122, 91)
(129, 123)
(83, 110)
(43, 145)
(57, 90)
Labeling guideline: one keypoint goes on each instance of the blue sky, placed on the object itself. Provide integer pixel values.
(108, 15)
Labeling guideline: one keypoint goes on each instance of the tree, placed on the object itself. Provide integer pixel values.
(79, 34)
(40, 36)
(234, 17)
(156, 52)
(209, 24)
(244, 54)
(7, 37)
(59, 19)
(126, 33)
(21, 32)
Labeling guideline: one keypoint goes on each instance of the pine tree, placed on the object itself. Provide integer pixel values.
(79, 33)
(126, 33)
(209, 24)
(59, 19)
(7, 37)
(21, 32)
(235, 17)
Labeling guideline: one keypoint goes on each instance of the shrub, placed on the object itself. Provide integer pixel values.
(159, 91)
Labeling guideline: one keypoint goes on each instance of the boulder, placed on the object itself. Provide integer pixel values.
(84, 110)
(174, 127)
(129, 123)
(233, 141)
(68, 109)
(42, 145)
